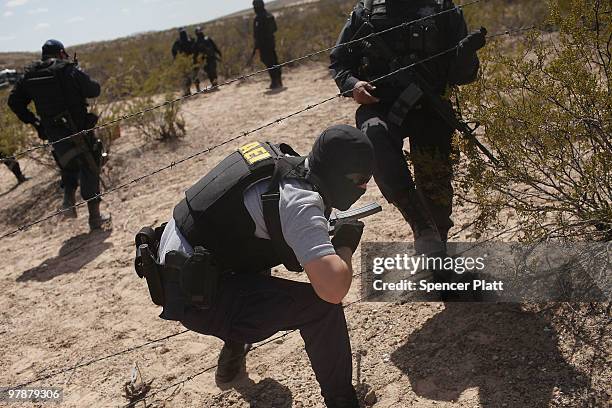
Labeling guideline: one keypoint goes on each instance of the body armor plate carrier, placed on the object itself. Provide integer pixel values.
(212, 214)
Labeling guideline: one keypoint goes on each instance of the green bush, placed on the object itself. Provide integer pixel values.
(545, 103)
(14, 135)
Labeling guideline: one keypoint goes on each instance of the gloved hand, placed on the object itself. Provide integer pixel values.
(474, 41)
(348, 235)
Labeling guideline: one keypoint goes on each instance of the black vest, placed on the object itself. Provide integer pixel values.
(407, 45)
(213, 215)
(44, 81)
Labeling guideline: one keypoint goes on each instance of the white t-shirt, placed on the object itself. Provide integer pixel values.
(303, 222)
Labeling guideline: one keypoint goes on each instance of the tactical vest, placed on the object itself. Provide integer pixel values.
(43, 82)
(213, 215)
(407, 45)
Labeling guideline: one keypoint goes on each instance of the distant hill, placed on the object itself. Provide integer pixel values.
(16, 60)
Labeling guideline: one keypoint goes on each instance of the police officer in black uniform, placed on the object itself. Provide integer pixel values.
(206, 50)
(409, 104)
(60, 90)
(184, 45)
(13, 166)
(263, 206)
(263, 31)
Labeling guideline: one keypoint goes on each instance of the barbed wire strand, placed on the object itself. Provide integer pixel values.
(98, 359)
(239, 136)
(233, 80)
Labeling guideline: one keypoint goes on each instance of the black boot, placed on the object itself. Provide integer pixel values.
(70, 210)
(427, 238)
(21, 178)
(232, 359)
(13, 166)
(350, 401)
(96, 219)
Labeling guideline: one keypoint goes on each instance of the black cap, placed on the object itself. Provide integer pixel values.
(52, 48)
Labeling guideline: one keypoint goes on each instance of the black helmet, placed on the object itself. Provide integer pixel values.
(52, 48)
(199, 32)
(341, 161)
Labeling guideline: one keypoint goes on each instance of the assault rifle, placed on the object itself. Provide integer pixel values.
(415, 87)
(342, 217)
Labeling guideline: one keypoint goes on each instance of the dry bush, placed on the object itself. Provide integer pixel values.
(14, 135)
(545, 104)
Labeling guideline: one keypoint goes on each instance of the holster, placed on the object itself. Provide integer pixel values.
(182, 281)
(145, 263)
(189, 281)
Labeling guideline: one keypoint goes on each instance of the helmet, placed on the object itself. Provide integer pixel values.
(341, 161)
(52, 48)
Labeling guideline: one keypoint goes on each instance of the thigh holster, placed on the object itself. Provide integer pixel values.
(184, 280)
(188, 280)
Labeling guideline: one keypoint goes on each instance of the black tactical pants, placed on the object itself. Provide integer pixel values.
(76, 173)
(252, 308)
(76, 169)
(269, 59)
(430, 140)
(13, 166)
(211, 69)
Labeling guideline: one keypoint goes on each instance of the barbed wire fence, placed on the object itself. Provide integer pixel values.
(241, 135)
(204, 151)
(236, 79)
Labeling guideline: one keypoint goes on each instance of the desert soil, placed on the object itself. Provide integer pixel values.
(69, 296)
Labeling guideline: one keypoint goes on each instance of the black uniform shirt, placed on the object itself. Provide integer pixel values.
(263, 30)
(76, 87)
(206, 47)
(452, 69)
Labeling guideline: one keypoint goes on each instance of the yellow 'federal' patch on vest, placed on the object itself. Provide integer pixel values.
(254, 152)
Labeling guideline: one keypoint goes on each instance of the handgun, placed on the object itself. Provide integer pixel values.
(342, 217)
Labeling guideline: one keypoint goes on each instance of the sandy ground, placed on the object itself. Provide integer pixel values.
(70, 296)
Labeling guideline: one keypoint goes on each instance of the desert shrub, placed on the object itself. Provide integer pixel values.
(14, 135)
(545, 104)
(164, 124)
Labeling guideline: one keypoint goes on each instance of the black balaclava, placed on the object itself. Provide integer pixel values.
(258, 6)
(199, 33)
(183, 35)
(340, 151)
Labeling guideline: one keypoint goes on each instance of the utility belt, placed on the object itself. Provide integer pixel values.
(184, 280)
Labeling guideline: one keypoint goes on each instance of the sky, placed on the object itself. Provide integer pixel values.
(26, 24)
